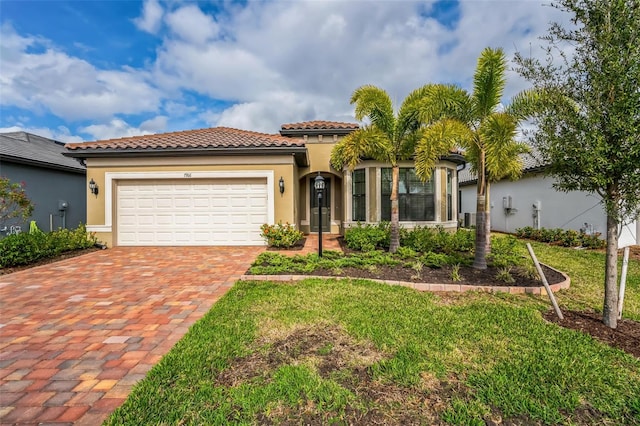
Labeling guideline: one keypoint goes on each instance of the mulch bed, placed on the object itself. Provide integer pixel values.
(626, 337)
(58, 258)
(299, 246)
(468, 275)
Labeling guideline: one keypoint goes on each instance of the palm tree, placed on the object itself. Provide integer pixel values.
(476, 123)
(388, 138)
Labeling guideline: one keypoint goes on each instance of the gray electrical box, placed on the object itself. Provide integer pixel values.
(62, 205)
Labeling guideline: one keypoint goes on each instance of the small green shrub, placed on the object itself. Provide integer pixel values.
(504, 252)
(592, 241)
(368, 237)
(425, 239)
(281, 236)
(455, 273)
(26, 248)
(436, 260)
(406, 253)
(566, 238)
(525, 232)
(504, 275)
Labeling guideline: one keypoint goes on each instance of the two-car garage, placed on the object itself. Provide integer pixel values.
(213, 187)
(191, 212)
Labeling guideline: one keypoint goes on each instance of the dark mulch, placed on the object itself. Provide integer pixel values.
(62, 256)
(297, 247)
(468, 275)
(626, 337)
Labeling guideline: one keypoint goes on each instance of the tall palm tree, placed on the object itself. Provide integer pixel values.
(388, 138)
(477, 123)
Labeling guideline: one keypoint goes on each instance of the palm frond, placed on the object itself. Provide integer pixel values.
(374, 103)
(444, 101)
(437, 140)
(526, 104)
(366, 142)
(489, 81)
(502, 160)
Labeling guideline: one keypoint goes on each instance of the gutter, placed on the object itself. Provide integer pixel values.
(299, 152)
(44, 164)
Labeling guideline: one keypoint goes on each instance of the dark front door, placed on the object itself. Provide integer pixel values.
(326, 206)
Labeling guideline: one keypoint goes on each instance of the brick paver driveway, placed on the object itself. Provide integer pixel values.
(76, 335)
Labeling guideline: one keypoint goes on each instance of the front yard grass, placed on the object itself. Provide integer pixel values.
(357, 352)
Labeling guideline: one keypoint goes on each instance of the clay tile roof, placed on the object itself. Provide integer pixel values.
(217, 137)
(320, 125)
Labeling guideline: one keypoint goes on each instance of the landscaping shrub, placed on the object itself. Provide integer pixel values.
(25, 248)
(593, 241)
(368, 237)
(568, 238)
(425, 239)
(504, 252)
(281, 236)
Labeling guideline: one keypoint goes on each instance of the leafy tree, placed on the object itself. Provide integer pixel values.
(588, 130)
(389, 138)
(13, 201)
(476, 122)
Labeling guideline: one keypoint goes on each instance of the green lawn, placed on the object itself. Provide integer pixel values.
(357, 352)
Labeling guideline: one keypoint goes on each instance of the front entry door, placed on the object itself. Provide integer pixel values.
(326, 206)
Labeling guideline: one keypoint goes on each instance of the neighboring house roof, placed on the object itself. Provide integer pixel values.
(192, 142)
(318, 127)
(34, 150)
(531, 162)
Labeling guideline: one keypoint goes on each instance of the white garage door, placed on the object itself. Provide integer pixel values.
(194, 212)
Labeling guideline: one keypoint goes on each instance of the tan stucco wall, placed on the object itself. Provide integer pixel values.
(285, 209)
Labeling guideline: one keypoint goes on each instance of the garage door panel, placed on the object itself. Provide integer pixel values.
(207, 212)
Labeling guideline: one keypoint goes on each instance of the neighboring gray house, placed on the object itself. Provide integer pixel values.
(55, 184)
(532, 201)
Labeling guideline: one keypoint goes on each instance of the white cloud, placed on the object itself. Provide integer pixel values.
(115, 128)
(67, 86)
(275, 62)
(154, 125)
(190, 24)
(151, 17)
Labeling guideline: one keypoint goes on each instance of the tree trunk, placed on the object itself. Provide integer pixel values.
(610, 309)
(480, 260)
(487, 220)
(394, 243)
(482, 219)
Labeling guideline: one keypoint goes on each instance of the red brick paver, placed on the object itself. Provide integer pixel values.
(76, 335)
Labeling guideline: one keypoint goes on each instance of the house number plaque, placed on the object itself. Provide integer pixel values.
(187, 175)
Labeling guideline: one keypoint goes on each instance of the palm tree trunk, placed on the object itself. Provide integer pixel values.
(482, 221)
(394, 242)
(487, 219)
(610, 309)
(480, 259)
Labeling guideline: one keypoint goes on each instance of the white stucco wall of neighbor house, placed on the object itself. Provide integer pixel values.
(532, 201)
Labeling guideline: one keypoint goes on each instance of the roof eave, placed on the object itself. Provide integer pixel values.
(299, 152)
(44, 164)
(315, 132)
(454, 158)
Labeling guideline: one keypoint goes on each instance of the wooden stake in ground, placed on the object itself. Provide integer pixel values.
(545, 282)
(623, 280)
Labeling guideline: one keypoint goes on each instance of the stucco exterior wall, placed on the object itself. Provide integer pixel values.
(571, 210)
(278, 166)
(46, 188)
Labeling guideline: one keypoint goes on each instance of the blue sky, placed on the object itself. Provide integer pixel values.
(90, 70)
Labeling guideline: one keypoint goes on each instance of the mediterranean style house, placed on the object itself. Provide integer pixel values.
(217, 186)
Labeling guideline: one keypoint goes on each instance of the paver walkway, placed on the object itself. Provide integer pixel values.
(76, 335)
